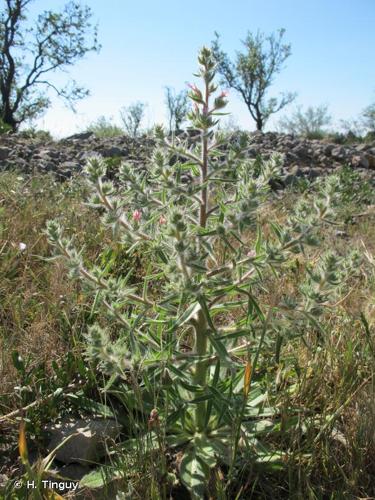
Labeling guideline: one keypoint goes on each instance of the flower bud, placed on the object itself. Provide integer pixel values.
(137, 215)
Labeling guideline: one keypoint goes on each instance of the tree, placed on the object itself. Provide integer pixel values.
(253, 73)
(132, 116)
(177, 107)
(309, 123)
(28, 56)
(362, 126)
(368, 118)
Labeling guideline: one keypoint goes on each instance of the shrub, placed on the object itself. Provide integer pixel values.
(33, 133)
(177, 107)
(132, 117)
(194, 341)
(368, 117)
(310, 123)
(103, 127)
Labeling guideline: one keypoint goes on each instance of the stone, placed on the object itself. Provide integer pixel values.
(73, 471)
(50, 153)
(371, 161)
(300, 150)
(3, 480)
(338, 152)
(328, 148)
(362, 147)
(80, 137)
(4, 153)
(67, 157)
(46, 166)
(359, 161)
(113, 151)
(87, 444)
(341, 234)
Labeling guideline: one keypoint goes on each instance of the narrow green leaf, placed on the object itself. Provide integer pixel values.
(100, 477)
(214, 384)
(186, 316)
(220, 349)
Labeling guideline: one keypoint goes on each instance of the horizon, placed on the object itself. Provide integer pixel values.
(142, 54)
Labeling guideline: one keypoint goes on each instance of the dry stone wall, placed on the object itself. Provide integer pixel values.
(302, 157)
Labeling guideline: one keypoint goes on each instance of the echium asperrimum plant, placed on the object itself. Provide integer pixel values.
(192, 332)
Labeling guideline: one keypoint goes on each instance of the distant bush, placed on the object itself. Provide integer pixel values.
(361, 129)
(132, 117)
(342, 138)
(370, 136)
(178, 106)
(368, 117)
(33, 133)
(309, 123)
(103, 127)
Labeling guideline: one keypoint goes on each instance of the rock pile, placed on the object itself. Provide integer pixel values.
(66, 157)
(312, 158)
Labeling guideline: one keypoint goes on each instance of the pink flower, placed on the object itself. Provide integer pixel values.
(224, 93)
(195, 91)
(137, 215)
(162, 220)
(251, 254)
(193, 87)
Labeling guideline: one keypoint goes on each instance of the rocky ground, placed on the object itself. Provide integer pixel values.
(66, 157)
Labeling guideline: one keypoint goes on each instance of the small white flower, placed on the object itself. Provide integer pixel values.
(22, 246)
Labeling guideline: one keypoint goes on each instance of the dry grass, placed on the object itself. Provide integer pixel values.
(39, 317)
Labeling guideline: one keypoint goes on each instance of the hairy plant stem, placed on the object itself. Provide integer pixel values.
(200, 325)
(204, 164)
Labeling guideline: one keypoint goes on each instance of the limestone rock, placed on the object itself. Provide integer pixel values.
(67, 157)
(80, 137)
(371, 160)
(360, 161)
(87, 444)
(4, 153)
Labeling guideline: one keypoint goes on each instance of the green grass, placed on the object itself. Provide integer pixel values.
(322, 383)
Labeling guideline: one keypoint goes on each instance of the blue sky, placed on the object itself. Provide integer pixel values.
(148, 44)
